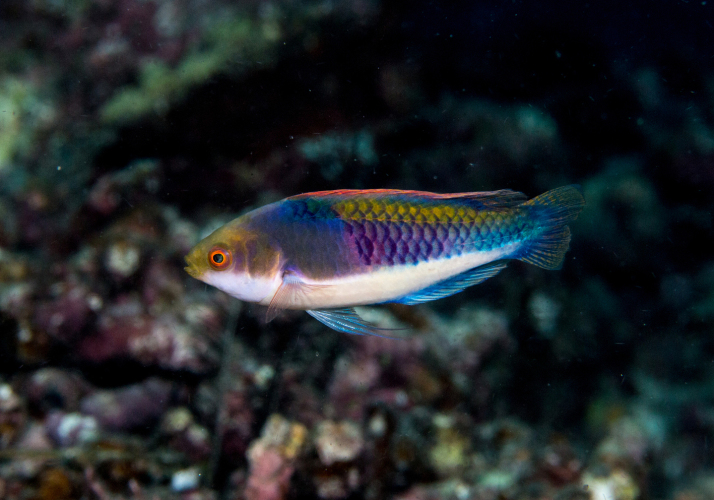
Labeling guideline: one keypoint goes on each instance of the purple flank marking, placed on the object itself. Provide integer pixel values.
(428, 233)
(424, 250)
(389, 248)
(407, 232)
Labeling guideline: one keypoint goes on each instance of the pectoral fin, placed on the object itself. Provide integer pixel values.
(291, 290)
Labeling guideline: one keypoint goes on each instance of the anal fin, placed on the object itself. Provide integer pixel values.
(453, 285)
(346, 320)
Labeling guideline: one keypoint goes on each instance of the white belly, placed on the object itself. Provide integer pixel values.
(386, 284)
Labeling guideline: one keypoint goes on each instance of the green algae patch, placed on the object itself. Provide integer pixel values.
(230, 40)
(23, 113)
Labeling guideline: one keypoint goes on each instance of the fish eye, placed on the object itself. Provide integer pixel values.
(219, 258)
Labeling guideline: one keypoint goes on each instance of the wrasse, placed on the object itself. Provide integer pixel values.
(328, 251)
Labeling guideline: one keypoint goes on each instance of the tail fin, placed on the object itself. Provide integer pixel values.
(552, 212)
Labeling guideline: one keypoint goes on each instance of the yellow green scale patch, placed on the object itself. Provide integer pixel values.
(381, 210)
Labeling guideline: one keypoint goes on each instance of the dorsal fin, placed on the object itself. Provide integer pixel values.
(504, 198)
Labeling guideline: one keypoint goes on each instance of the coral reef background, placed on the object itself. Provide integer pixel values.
(131, 128)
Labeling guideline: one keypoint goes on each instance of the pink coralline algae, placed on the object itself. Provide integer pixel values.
(65, 316)
(236, 421)
(272, 459)
(374, 373)
(177, 341)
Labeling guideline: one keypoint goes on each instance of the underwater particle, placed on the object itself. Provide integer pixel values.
(338, 441)
(618, 485)
(122, 259)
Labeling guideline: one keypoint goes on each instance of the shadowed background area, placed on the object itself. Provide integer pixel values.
(129, 129)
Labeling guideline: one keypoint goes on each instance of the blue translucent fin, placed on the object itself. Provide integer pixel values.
(552, 212)
(453, 285)
(346, 320)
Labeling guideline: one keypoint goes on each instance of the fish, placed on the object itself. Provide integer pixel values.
(329, 251)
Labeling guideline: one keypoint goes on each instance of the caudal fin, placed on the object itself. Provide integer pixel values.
(552, 212)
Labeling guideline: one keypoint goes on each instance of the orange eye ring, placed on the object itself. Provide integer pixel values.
(219, 258)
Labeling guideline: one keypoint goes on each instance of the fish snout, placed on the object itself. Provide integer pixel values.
(191, 268)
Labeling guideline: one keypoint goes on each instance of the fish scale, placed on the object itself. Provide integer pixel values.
(374, 229)
(431, 229)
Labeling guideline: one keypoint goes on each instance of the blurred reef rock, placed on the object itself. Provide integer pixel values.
(130, 129)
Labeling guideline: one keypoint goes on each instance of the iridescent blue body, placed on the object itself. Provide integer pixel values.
(339, 233)
(327, 251)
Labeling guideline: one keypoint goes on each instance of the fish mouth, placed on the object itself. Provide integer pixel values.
(191, 269)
